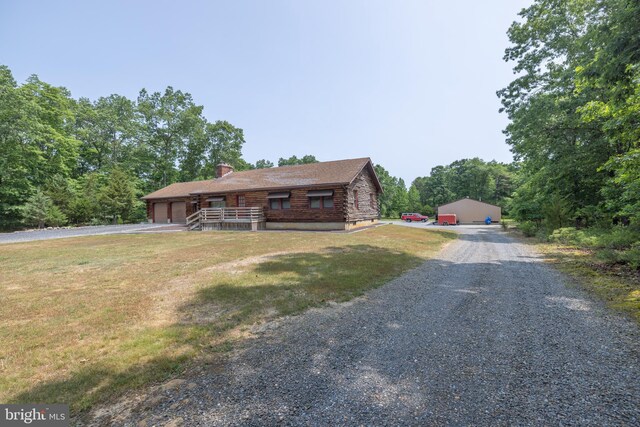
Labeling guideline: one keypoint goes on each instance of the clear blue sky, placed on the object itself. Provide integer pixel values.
(409, 83)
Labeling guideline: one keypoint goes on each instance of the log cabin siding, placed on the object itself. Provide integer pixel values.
(366, 189)
(300, 211)
(343, 211)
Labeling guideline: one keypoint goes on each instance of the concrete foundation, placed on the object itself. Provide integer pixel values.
(319, 226)
(353, 225)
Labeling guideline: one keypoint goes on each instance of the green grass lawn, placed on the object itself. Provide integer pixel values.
(82, 320)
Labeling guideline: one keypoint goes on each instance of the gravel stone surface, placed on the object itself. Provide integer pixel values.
(486, 334)
(61, 233)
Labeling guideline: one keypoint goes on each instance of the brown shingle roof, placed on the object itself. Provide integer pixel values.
(311, 175)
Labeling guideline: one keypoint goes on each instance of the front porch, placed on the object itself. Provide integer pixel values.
(252, 219)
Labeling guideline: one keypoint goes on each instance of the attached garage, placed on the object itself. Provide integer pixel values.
(160, 213)
(178, 212)
(470, 211)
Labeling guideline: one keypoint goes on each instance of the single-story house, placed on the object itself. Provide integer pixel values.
(470, 211)
(336, 195)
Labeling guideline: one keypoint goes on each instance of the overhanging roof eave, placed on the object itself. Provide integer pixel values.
(279, 188)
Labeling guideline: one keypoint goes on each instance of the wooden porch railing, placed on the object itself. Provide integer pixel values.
(217, 216)
(193, 221)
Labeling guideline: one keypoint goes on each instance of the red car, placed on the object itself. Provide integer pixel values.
(414, 217)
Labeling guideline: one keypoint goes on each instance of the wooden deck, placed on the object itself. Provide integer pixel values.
(251, 218)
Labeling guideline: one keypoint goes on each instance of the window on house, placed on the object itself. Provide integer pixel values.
(315, 202)
(277, 204)
(281, 200)
(372, 201)
(320, 199)
(355, 199)
(216, 202)
(241, 202)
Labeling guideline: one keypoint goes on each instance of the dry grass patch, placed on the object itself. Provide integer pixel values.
(618, 286)
(85, 319)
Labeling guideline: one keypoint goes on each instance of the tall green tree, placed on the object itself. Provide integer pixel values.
(263, 164)
(51, 135)
(108, 130)
(17, 156)
(622, 191)
(39, 211)
(389, 187)
(118, 197)
(36, 141)
(400, 200)
(471, 178)
(573, 108)
(66, 148)
(439, 187)
(503, 176)
(171, 134)
(223, 145)
(61, 191)
(491, 182)
(293, 160)
(394, 198)
(86, 206)
(414, 204)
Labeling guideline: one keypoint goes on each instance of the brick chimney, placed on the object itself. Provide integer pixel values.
(223, 169)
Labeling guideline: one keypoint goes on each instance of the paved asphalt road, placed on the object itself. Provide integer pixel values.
(486, 334)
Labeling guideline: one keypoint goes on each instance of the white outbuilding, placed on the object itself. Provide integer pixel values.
(470, 211)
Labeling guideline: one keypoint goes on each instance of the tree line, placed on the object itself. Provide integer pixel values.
(78, 161)
(574, 111)
(491, 182)
(573, 107)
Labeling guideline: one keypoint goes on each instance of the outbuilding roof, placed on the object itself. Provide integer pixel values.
(338, 172)
(469, 199)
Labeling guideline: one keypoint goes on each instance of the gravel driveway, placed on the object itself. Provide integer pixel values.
(61, 233)
(486, 334)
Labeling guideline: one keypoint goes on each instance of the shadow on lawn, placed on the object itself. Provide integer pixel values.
(288, 284)
(98, 382)
(281, 285)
